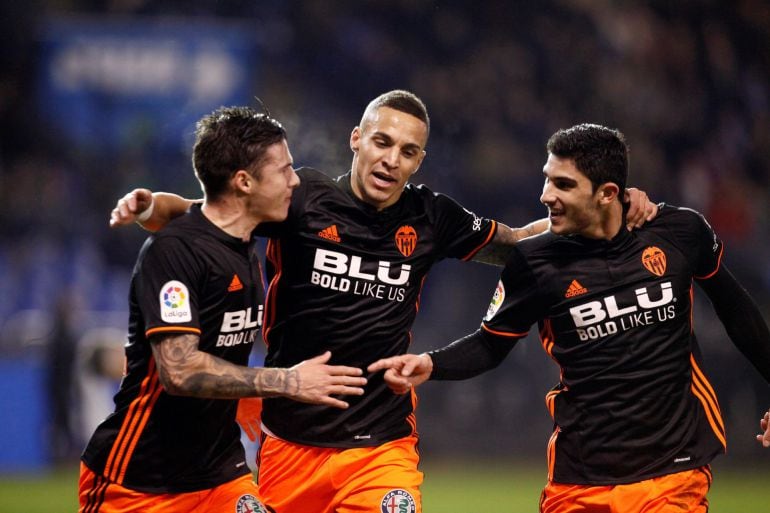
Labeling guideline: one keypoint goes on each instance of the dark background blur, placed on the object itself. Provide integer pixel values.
(99, 97)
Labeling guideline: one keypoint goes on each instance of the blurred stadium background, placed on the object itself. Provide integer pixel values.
(99, 96)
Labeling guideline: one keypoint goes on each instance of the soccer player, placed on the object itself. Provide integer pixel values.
(636, 421)
(172, 443)
(347, 269)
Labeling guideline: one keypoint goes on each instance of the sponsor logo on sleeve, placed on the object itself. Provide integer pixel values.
(175, 302)
(476, 220)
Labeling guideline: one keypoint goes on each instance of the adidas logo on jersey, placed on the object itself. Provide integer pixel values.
(330, 233)
(235, 284)
(575, 289)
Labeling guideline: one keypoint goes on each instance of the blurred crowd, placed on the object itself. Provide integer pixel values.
(688, 82)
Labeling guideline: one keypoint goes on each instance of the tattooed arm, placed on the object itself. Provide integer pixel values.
(496, 252)
(186, 371)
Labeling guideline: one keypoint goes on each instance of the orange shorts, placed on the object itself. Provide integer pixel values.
(382, 479)
(97, 495)
(681, 492)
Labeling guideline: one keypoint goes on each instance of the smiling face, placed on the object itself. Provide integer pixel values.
(573, 206)
(388, 148)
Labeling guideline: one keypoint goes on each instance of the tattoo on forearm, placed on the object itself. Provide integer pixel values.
(184, 370)
(497, 251)
(272, 382)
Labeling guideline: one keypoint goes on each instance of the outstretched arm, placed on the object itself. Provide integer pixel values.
(151, 210)
(184, 370)
(462, 359)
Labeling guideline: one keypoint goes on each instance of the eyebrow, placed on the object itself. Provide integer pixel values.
(560, 178)
(383, 135)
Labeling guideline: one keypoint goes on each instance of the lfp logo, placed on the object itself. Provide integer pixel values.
(174, 297)
(174, 303)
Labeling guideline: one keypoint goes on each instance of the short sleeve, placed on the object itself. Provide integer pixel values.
(167, 285)
(461, 232)
(697, 239)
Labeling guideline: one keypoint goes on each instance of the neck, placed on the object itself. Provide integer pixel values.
(609, 223)
(230, 215)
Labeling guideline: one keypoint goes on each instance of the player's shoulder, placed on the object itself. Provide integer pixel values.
(312, 174)
(421, 193)
(677, 218)
(542, 243)
(182, 230)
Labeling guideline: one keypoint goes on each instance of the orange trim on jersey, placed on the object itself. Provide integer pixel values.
(702, 389)
(692, 308)
(547, 338)
(136, 419)
(411, 419)
(503, 333)
(551, 457)
(419, 294)
(492, 231)
(171, 329)
(719, 263)
(550, 400)
(273, 253)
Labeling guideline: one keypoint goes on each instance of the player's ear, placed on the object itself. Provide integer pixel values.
(608, 192)
(355, 139)
(242, 180)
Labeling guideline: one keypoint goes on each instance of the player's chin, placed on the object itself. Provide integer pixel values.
(278, 214)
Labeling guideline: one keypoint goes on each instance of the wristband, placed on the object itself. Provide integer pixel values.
(144, 216)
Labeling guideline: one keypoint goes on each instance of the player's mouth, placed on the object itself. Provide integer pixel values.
(555, 215)
(382, 179)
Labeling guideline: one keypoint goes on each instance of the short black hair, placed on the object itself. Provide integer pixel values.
(230, 139)
(402, 101)
(599, 152)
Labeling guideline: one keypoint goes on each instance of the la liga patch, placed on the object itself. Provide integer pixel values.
(398, 501)
(497, 300)
(175, 302)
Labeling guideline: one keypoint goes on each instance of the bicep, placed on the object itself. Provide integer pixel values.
(176, 356)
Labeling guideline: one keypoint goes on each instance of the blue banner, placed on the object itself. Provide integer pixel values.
(140, 81)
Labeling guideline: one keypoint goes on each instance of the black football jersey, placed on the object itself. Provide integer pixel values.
(633, 401)
(190, 277)
(347, 278)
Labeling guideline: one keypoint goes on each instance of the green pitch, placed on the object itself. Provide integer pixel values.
(450, 487)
